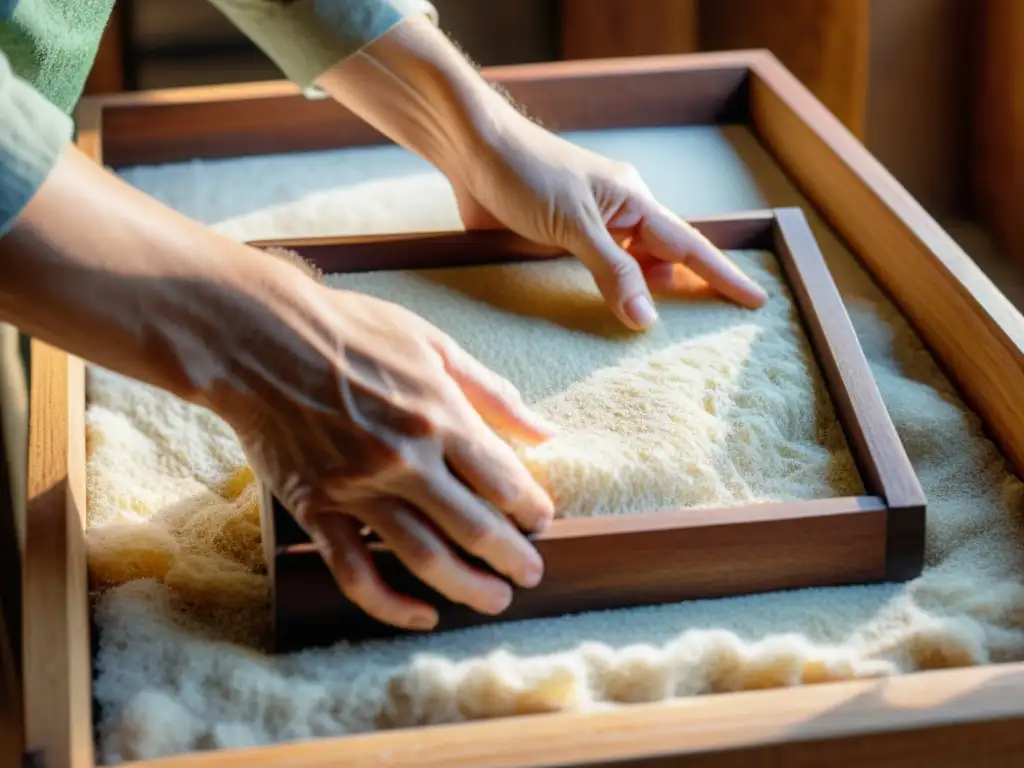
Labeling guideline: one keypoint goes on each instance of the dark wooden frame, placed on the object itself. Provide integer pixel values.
(659, 556)
(955, 717)
(11, 728)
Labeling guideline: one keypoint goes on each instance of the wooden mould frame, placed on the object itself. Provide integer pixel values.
(956, 717)
(618, 561)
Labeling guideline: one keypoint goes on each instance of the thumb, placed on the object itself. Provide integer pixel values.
(618, 275)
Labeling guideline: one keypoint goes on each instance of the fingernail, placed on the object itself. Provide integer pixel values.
(641, 311)
(423, 622)
(500, 602)
(533, 573)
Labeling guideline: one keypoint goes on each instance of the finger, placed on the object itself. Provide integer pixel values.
(491, 468)
(478, 529)
(494, 397)
(423, 550)
(673, 280)
(351, 564)
(617, 274)
(668, 238)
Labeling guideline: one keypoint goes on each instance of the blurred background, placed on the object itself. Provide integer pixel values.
(934, 88)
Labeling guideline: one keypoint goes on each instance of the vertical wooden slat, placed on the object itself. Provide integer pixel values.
(88, 127)
(918, 97)
(108, 69)
(597, 29)
(12, 735)
(13, 448)
(998, 140)
(57, 661)
(823, 42)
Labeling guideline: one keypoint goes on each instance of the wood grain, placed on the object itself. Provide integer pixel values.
(880, 455)
(918, 110)
(57, 651)
(998, 134)
(974, 331)
(824, 43)
(968, 717)
(610, 562)
(605, 563)
(462, 249)
(963, 718)
(261, 118)
(12, 727)
(89, 130)
(598, 29)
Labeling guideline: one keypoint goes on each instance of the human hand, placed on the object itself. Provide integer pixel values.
(371, 416)
(354, 411)
(417, 88)
(558, 194)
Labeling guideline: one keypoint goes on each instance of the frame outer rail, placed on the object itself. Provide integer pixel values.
(955, 718)
(57, 649)
(977, 335)
(960, 717)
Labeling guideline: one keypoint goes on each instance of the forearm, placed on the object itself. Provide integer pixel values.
(417, 88)
(97, 268)
(385, 60)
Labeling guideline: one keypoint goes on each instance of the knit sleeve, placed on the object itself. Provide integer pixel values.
(33, 134)
(305, 38)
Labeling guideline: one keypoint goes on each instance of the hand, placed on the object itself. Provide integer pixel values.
(559, 194)
(355, 412)
(380, 420)
(417, 88)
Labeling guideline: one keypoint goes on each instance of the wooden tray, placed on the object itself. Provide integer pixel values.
(962, 717)
(658, 556)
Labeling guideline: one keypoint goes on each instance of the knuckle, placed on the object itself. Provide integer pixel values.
(624, 271)
(421, 557)
(356, 587)
(479, 538)
(627, 172)
(505, 493)
(443, 343)
(635, 183)
(439, 420)
(304, 515)
(505, 391)
(362, 463)
(387, 454)
(444, 352)
(353, 581)
(294, 493)
(345, 572)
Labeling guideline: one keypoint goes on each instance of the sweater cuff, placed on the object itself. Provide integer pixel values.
(33, 135)
(305, 38)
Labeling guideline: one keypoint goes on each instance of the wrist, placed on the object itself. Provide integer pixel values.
(416, 88)
(95, 267)
(252, 333)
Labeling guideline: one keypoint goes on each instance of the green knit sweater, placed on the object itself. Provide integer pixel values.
(47, 49)
(51, 44)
